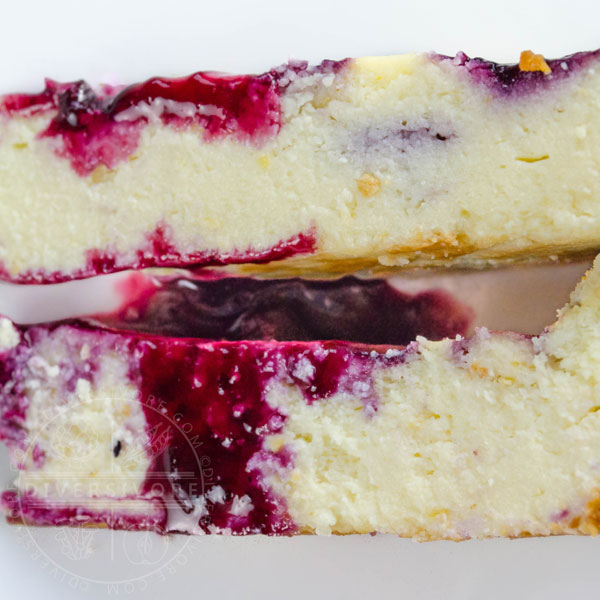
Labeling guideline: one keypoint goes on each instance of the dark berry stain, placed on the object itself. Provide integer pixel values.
(510, 80)
(350, 309)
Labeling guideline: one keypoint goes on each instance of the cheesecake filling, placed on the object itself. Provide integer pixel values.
(493, 435)
(368, 163)
(180, 446)
(111, 423)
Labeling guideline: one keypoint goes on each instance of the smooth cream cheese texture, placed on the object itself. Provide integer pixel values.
(503, 440)
(514, 176)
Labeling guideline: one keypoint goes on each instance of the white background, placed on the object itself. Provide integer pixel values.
(120, 41)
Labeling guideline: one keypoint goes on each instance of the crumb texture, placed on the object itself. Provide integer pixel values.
(366, 163)
(493, 435)
(497, 435)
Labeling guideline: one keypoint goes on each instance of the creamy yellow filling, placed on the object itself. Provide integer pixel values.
(511, 177)
(497, 435)
(501, 439)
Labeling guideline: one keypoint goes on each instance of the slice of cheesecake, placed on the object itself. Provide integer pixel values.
(358, 164)
(494, 435)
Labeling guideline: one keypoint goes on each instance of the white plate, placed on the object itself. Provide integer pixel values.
(119, 41)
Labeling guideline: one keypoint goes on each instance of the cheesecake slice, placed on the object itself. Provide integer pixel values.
(368, 163)
(493, 435)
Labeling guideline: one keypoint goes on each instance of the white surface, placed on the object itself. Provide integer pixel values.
(117, 41)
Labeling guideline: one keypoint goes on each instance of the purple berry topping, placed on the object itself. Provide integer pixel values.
(512, 79)
(230, 308)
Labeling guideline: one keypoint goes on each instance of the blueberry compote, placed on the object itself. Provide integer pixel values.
(208, 401)
(369, 311)
(511, 80)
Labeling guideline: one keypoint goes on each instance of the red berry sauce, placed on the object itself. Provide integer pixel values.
(160, 251)
(216, 394)
(103, 128)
